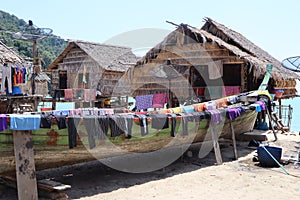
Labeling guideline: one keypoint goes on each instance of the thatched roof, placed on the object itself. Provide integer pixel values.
(229, 39)
(109, 57)
(7, 55)
(42, 77)
(244, 48)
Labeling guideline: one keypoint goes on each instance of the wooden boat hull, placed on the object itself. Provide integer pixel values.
(51, 147)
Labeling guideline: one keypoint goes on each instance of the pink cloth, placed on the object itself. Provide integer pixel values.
(69, 94)
(232, 90)
(89, 94)
(159, 100)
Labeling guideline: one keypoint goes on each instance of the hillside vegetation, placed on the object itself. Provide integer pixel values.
(48, 48)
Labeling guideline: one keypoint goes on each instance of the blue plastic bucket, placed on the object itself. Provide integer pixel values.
(265, 159)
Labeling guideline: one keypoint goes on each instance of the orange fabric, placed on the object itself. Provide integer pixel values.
(199, 107)
(221, 102)
(165, 111)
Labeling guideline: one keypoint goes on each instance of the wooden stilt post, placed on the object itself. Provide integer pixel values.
(25, 167)
(233, 141)
(270, 123)
(216, 145)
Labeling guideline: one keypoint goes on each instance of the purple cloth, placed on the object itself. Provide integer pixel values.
(216, 117)
(3, 122)
(233, 113)
(262, 105)
(144, 102)
(159, 100)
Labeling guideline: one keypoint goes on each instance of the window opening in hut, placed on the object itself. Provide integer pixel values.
(63, 80)
(232, 74)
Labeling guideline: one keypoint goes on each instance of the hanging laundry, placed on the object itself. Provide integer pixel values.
(159, 100)
(61, 121)
(24, 122)
(24, 74)
(144, 102)
(143, 122)
(233, 113)
(221, 103)
(129, 123)
(211, 105)
(91, 125)
(46, 120)
(6, 76)
(216, 117)
(117, 125)
(159, 121)
(199, 107)
(186, 117)
(72, 124)
(188, 109)
(69, 94)
(173, 123)
(232, 100)
(262, 104)
(3, 122)
(232, 90)
(176, 110)
(103, 127)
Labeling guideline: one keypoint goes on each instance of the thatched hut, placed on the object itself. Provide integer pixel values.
(210, 62)
(87, 65)
(7, 55)
(20, 95)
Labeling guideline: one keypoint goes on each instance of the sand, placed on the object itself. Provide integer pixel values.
(187, 178)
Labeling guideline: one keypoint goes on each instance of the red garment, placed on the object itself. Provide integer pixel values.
(159, 100)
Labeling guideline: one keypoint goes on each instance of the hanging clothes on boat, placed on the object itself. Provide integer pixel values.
(188, 109)
(143, 122)
(233, 113)
(25, 122)
(176, 110)
(103, 126)
(129, 123)
(173, 123)
(91, 125)
(211, 105)
(159, 121)
(232, 100)
(73, 122)
(186, 117)
(117, 125)
(3, 122)
(216, 116)
(199, 107)
(61, 121)
(46, 120)
(262, 104)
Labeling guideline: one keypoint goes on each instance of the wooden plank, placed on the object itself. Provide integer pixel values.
(25, 167)
(46, 189)
(216, 145)
(233, 141)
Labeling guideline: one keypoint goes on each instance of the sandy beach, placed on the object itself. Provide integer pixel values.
(187, 178)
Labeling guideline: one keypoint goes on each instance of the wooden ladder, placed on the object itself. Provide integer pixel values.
(280, 126)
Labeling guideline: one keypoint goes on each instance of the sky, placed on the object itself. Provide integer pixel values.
(272, 25)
